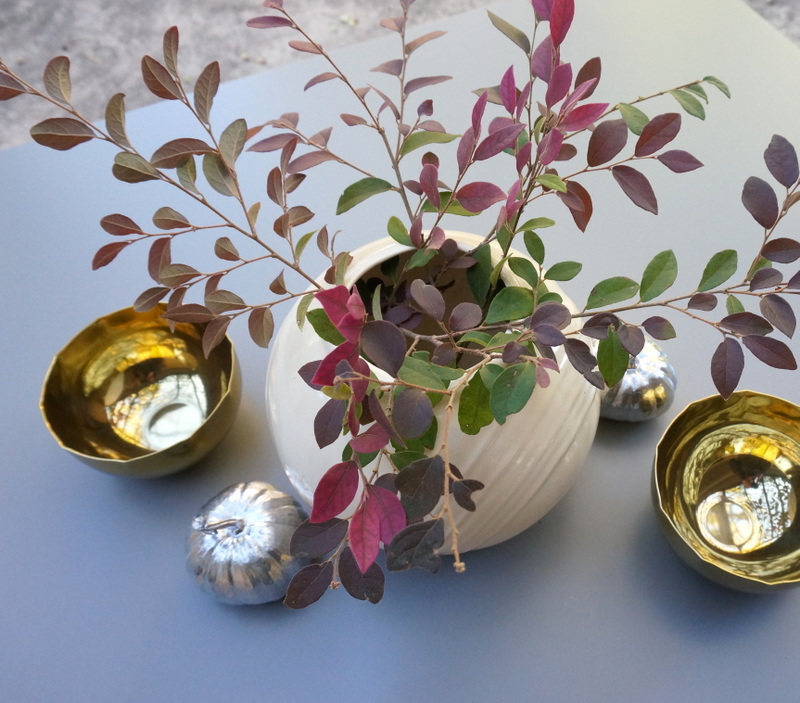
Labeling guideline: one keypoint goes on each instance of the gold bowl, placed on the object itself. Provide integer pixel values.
(131, 397)
(725, 488)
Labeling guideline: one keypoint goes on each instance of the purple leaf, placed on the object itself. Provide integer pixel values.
(607, 140)
(508, 90)
(335, 491)
(308, 585)
(778, 312)
(393, 67)
(766, 278)
(760, 201)
(328, 422)
(369, 586)
(412, 413)
(421, 484)
(727, 364)
(463, 490)
(479, 195)
(579, 202)
(583, 90)
(561, 15)
(465, 316)
(425, 109)
(429, 182)
(429, 298)
(478, 111)
(543, 60)
(542, 8)
(503, 138)
(631, 338)
(781, 250)
(418, 83)
(582, 116)
(597, 325)
(679, 161)
(553, 314)
(273, 143)
(317, 539)
(268, 22)
(384, 345)
(549, 335)
(636, 186)
(657, 133)
(559, 85)
(365, 533)
(334, 302)
(781, 159)
(550, 146)
(745, 323)
(307, 161)
(580, 355)
(320, 78)
(771, 351)
(466, 148)
(417, 546)
(703, 301)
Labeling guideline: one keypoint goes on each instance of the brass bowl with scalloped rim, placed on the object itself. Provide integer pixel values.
(726, 483)
(130, 396)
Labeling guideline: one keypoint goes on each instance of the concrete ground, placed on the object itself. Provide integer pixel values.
(106, 40)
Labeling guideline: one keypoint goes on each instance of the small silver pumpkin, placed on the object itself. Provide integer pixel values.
(646, 390)
(238, 547)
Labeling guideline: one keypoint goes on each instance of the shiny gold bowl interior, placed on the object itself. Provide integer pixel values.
(130, 396)
(726, 485)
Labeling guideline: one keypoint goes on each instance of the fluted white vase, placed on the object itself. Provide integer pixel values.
(527, 464)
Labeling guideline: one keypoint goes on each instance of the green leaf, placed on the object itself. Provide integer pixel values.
(479, 273)
(480, 338)
(511, 303)
(717, 83)
(698, 90)
(218, 175)
(324, 327)
(563, 271)
(302, 308)
(551, 181)
(525, 270)
(397, 231)
(612, 290)
(187, 174)
(115, 119)
(301, 244)
(453, 207)
(360, 191)
(511, 390)
(719, 269)
(415, 140)
(474, 412)
(612, 359)
(513, 33)
(537, 223)
(733, 305)
(231, 141)
(689, 103)
(420, 257)
(634, 117)
(534, 245)
(658, 275)
(419, 372)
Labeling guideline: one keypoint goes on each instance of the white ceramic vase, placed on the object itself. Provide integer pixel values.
(526, 464)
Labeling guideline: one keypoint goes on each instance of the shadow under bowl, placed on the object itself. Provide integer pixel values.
(725, 488)
(132, 397)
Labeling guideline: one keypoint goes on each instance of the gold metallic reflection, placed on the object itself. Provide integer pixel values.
(130, 396)
(726, 482)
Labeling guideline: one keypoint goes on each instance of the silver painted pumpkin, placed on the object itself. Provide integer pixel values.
(238, 547)
(646, 390)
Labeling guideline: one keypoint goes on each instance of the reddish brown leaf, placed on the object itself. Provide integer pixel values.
(591, 70)
(220, 300)
(657, 133)
(150, 298)
(10, 87)
(159, 81)
(120, 225)
(679, 161)
(424, 39)
(273, 143)
(352, 120)
(107, 253)
(268, 22)
(57, 81)
(168, 218)
(176, 152)
(261, 325)
(727, 364)
(174, 275)
(214, 334)
(170, 46)
(190, 312)
(636, 186)
(61, 133)
(306, 47)
(320, 78)
(579, 202)
(226, 250)
(205, 90)
(159, 256)
(308, 585)
(309, 160)
(760, 201)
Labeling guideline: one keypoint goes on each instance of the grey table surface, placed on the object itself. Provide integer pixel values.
(590, 604)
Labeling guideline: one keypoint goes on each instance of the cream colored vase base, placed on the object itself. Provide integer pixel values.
(526, 464)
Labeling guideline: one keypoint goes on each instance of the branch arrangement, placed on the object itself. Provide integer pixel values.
(402, 348)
